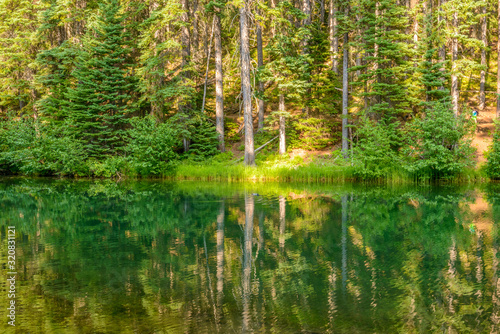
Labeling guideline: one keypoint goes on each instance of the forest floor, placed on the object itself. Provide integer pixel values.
(484, 134)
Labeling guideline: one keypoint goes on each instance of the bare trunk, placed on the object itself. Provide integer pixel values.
(219, 84)
(322, 12)
(186, 55)
(345, 93)
(484, 27)
(442, 49)
(334, 40)
(260, 63)
(454, 57)
(247, 262)
(282, 146)
(245, 86)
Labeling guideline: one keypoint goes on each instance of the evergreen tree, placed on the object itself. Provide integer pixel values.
(101, 100)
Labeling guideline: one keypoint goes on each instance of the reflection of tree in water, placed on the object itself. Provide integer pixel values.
(109, 257)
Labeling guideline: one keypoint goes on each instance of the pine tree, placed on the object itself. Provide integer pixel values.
(101, 100)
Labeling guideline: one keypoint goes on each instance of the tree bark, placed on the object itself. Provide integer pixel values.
(484, 39)
(345, 92)
(186, 55)
(219, 83)
(260, 63)
(454, 57)
(245, 85)
(282, 146)
(334, 40)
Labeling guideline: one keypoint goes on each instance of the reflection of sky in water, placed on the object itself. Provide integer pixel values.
(158, 257)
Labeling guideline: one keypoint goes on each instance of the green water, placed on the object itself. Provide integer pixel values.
(159, 257)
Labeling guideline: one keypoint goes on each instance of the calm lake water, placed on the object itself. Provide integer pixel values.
(161, 257)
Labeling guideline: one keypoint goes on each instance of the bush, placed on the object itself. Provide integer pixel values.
(151, 148)
(31, 148)
(438, 143)
(310, 133)
(493, 164)
(376, 150)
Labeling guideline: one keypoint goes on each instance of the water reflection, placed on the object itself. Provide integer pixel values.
(156, 257)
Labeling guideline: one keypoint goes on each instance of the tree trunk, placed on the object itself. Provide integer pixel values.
(260, 63)
(345, 93)
(322, 12)
(454, 57)
(484, 39)
(245, 86)
(334, 40)
(282, 147)
(219, 83)
(442, 48)
(186, 55)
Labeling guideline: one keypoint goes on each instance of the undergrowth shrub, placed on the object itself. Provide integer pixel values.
(438, 143)
(493, 156)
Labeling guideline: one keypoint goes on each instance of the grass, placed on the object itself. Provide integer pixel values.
(283, 171)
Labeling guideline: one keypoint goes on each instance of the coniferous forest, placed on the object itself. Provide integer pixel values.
(361, 89)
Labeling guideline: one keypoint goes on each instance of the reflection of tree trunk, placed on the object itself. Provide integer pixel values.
(479, 274)
(247, 261)
(452, 271)
(495, 314)
(332, 303)
(282, 213)
(261, 231)
(344, 242)
(220, 262)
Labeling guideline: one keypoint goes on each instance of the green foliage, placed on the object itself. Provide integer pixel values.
(29, 147)
(151, 148)
(438, 143)
(493, 164)
(102, 98)
(311, 133)
(375, 150)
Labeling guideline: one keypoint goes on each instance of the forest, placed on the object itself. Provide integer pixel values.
(351, 89)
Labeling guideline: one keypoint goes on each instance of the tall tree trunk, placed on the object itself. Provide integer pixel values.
(282, 145)
(454, 58)
(219, 83)
(245, 85)
(484, 39)
(345, 92)
(260, 63)
(442, 48)
(334, 40)
(247, 261)
(186, 55)
(322, 12)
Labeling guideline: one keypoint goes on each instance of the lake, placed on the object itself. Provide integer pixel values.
(164, 257)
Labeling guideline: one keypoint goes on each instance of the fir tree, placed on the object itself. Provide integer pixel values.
(102, 99)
